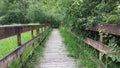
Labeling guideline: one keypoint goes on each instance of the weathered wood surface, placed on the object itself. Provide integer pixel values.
(7, 31)
(97, 45)
(7, 60)
(107, 28)
(4, 62)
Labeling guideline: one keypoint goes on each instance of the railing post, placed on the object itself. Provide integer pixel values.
(101, 47)
(32, 34)
(42, 32)
(19, 44)
(46, 27)
(19, 39)
(18, 52)
(37, 32)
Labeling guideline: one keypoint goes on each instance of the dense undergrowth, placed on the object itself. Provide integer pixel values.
(85, 55)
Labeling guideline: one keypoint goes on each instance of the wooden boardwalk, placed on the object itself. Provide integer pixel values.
(55, 54)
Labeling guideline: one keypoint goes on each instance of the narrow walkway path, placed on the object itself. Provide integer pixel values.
(55, 55)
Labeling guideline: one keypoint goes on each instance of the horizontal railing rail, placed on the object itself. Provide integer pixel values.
(97, 45)
(113, 29)
(7, 31)
(107, 28)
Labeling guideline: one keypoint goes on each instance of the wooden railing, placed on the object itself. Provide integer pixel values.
(113, 29)
(107, 28)
(8, 31)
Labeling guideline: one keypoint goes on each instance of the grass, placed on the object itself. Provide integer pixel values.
(34, 59)
(36, 54)
(85, 55)
(9, 44)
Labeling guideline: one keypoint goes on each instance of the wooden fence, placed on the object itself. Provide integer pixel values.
(7, 31)
(113, 29)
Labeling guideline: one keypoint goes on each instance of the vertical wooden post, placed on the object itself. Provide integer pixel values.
(45, 29)
(32, 34)
(101, 40)
(19, 39)
(37, 31)
(47, 26)
(19, 44)
(42, 32)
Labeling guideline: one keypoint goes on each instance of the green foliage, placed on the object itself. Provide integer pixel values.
(75, 15)
(85, 55)
(12, 41)
(4, 48)
(25, 11)
(13, 11)
(83, 13)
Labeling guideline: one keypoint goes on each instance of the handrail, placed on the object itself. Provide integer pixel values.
(113, 29)
(7, 31)
(107, 28)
